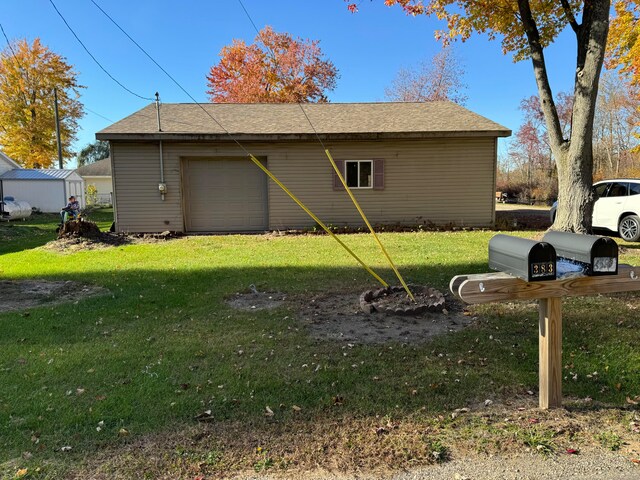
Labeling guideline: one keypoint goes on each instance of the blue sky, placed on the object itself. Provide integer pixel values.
(185, 37)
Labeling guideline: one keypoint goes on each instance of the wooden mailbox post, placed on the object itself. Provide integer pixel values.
(501, 287)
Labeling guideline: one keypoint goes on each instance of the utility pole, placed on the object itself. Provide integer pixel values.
(55, 109)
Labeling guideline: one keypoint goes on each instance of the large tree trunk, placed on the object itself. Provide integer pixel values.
(574, 156)
(575, 202)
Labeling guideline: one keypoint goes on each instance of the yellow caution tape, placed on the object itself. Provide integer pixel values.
(318, 221)
(355, 202)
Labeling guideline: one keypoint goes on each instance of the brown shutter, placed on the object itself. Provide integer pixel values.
(378, 173)
(337, 184)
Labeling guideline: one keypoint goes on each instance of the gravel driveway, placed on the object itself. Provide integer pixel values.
(594, 465)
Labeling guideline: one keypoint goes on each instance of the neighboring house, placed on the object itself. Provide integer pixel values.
(44, 189)
(98, 174)
(408, 163)
(6, 163)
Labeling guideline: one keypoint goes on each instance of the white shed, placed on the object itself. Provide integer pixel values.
(44, 189)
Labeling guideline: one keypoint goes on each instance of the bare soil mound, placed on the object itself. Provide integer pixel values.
(20, 295)
(339, 317)
(394, 300)
(79, 228)
(73, 242)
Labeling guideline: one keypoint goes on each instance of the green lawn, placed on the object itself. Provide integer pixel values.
(162, 346)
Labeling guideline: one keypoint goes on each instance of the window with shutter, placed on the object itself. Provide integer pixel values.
(360, 174)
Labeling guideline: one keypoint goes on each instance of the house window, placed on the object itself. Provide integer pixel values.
(359, 173)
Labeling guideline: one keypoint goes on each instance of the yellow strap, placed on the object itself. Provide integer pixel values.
(318, 221)
(355, 202)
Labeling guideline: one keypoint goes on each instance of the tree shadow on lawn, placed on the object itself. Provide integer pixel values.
(164, 347)
(16, 236)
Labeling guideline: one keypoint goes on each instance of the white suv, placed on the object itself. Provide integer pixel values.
(616, 207)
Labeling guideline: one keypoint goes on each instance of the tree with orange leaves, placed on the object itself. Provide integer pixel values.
(526, 28)
(28, 75)
(277, 68)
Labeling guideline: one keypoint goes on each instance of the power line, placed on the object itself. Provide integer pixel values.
(9, 45)
(249, 17)
(93, 57)
(339, 174)
(21, 69)
(97, 114)
(173, 79)
(253, 158)
(275, 60)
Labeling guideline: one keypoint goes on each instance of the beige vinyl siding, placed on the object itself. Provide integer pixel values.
(139, 205)
(440, 181)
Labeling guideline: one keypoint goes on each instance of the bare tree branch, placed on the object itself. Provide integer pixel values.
(570, 16)
(542, 79)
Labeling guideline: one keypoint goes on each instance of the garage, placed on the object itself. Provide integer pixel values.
(224, 194)
(402, 161)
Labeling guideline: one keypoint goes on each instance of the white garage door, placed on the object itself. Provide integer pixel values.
(224, 195)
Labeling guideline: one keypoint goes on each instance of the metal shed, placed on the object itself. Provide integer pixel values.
(45, 189)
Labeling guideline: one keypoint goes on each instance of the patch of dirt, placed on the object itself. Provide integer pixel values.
(339, 317)
(19, 295)
(74, 243)
(256, 300)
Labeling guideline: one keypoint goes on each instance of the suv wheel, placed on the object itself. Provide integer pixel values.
(629, 228)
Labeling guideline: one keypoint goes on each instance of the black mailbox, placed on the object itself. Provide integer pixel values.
(522, 258)
(597, 255)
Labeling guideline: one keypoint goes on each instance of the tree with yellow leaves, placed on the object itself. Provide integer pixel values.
(526, 28)
(624, 44)
(28, 75)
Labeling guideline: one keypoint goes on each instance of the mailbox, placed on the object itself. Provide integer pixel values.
(522, 258)
(597, 255)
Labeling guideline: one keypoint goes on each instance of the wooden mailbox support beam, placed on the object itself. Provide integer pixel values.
(501, 287)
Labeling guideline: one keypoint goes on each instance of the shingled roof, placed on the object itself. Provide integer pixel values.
(270, 121)
(101, 168)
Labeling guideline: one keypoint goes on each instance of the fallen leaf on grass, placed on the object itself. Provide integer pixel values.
(631, 402)
(636, 461)
(572, 451)
(268, 412)
(534, 420)
(123, 432)
(295, 408)
(204, 416)
(458, 411)
(22, 472)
